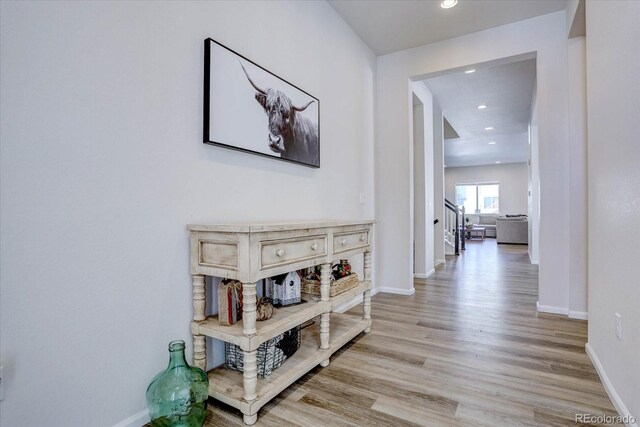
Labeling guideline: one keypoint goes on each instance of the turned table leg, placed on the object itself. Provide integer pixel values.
(249, 308)
(366, 303)
(325, 281)
(250, 374)
(250, 419)
(199, 341)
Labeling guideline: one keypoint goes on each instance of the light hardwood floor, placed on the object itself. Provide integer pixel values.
(467, 349)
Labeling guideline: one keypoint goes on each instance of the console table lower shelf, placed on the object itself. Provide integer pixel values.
(226, 385)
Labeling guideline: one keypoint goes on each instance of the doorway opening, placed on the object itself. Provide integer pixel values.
(474, 158)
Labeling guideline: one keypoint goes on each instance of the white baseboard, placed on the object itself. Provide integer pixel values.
(397, 291)
(440, 262)
(424, 276)
(136, 420)
(348, 305)
(551, 310)
(613, 395)
(533, 261)
(582, 315)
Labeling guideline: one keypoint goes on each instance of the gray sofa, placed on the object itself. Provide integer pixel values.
(513, 230)
(488, 221)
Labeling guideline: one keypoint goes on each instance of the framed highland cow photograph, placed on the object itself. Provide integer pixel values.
(248, 108)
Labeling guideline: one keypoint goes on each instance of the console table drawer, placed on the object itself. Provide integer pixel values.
(348, 241)
(280, 252)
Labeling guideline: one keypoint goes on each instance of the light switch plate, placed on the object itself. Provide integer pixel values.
(618, 326)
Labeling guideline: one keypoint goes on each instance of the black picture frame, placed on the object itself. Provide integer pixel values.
(295, 137)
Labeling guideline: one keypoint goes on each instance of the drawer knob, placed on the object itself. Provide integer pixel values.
(363, 238)
(343, 242)
(280, 252)
(314, 246)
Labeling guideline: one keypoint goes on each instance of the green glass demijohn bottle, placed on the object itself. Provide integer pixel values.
(177, 396)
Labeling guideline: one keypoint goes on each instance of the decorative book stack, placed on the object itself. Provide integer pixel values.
(229, 302)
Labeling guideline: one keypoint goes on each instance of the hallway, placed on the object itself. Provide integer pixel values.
(467, 349)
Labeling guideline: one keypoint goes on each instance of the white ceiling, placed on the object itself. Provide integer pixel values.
(390, 25)
(507, 90)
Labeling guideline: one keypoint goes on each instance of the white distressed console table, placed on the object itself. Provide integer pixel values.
(251, 252)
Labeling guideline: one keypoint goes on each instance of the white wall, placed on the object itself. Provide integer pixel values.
(102, 167)
(438, 184)
(513, 179)
(422, 180)
(613, 100)
(534, 184)
(571, 8)
(578, 177)
(419, 192)
(544, 35)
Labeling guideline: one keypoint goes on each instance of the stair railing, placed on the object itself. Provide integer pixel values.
(454, 218)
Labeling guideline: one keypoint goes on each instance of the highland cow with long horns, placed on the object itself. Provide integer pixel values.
(291, 135)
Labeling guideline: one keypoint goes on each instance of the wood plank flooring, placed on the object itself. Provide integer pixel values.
(467, 349)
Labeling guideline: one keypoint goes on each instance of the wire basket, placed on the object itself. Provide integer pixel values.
(271, 354)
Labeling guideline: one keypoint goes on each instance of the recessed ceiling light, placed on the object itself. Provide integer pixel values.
(497, 162)
(489, 128)
(448, 4)
(473, 70)
(481, 107)
(492, 143)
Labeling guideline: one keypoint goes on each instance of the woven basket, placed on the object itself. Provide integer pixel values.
(310, 286)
